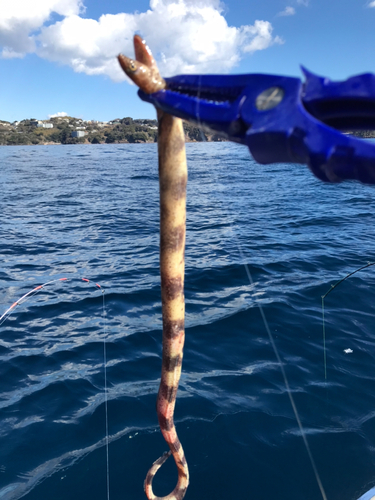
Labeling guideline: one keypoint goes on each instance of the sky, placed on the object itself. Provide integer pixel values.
(58, 57)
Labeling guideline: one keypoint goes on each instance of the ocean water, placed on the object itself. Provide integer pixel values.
(92, 212)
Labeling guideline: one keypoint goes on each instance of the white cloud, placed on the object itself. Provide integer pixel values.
(258, 37)
(371, 4)
(288, 11)
(20, 18)
(185, 35)
(59, 114)
(303, 2)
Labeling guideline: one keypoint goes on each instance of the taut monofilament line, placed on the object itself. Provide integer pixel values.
(369, 264)
(37, 290)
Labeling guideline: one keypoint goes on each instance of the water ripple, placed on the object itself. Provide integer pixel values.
(79, 211)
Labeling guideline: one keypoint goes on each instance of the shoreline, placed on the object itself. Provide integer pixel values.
(71, 130)
(88, 143)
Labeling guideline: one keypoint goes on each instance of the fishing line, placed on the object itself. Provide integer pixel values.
(203, 137)
(369, 264)
(268, 330)
(27, 295)
(104, 316)
(105, 390)
(36, 290)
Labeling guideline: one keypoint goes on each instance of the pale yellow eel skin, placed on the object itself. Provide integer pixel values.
(173, 179)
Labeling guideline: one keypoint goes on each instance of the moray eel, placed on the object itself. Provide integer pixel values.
(172, 180)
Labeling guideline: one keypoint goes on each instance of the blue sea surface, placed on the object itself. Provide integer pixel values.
(92, 212)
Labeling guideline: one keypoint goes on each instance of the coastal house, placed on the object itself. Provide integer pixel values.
(40, 124)
(78, 133)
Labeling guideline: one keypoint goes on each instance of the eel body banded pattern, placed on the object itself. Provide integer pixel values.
(173, 179)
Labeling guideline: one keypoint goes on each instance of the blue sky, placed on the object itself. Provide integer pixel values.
(59, 56)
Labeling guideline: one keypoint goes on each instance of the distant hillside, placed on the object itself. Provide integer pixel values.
(61, 130)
